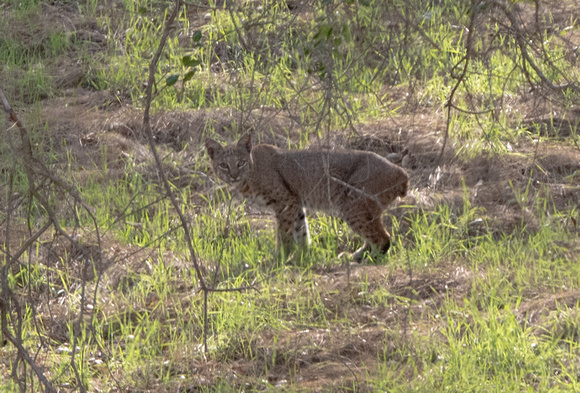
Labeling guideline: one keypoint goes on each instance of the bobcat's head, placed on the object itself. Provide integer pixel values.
(231, 163)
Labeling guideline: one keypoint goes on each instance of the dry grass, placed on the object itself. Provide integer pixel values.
(365, 318)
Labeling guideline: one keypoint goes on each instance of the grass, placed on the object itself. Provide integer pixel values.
(484, 345)
(475, 295)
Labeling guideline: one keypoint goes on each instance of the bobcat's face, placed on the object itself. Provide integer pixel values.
(231, 168)
(231, 163)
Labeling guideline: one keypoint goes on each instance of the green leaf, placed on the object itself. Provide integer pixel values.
(346, 34)
(188, 76)
(187, 61)
(171, 79)
(329, 32)
(196, 36)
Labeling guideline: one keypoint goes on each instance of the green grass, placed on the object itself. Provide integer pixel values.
(483, 345)
(465, 301)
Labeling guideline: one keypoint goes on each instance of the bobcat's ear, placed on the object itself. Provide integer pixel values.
(212, 146)
(245, 142)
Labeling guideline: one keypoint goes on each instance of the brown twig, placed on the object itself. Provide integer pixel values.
(461, 77)
(6, 294)
(33, 168)
(151, 140)
(527, 59)
(148, 132)
(24, 354)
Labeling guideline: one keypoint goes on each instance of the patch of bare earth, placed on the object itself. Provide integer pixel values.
(95, 129)
(310, 357)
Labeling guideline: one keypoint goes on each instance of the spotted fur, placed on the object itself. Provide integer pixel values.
(353, 185)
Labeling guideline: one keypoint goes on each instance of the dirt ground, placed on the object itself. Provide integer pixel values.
(314, 358)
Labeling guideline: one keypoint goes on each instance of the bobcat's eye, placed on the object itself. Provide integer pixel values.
(242, 164)
(224, 165)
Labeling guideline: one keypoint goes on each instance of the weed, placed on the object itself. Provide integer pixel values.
(463, 302)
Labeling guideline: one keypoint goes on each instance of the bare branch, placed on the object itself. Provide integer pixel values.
(519, 37)
(147, 129)
(461, 77)
(22, 352)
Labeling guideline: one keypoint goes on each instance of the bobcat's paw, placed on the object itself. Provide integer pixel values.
(357, 256)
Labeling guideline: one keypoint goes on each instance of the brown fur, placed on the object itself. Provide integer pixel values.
(353, 185)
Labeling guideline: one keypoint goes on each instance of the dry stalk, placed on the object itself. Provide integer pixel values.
(34, 170)
(8, 300)
(199, 269)
(461, 77)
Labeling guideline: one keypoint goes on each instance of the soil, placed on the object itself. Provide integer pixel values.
(315, 359)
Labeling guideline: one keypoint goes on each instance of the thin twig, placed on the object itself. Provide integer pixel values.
(24, 354)
(30, 164)
(461, 77)
(151, 140)
(518, 35)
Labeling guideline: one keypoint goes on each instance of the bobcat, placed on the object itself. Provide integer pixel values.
(353, 185)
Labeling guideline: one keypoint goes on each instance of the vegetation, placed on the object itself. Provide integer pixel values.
(127, 267)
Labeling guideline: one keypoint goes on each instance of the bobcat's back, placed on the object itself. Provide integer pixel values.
(325, 179)
(354, 185)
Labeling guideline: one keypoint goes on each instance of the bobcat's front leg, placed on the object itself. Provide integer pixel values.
(292, 226)
(365, 219)
(301, 233)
